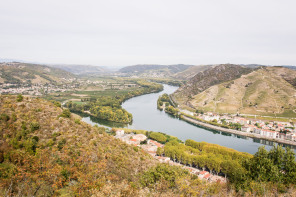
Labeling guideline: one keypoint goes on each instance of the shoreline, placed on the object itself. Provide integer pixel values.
(232, 131)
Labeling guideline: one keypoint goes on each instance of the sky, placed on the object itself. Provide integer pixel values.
(129, 32)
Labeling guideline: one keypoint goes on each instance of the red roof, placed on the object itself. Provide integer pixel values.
(207, 176)
(203, 172)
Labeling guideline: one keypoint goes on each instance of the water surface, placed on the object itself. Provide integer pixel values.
(146, 116)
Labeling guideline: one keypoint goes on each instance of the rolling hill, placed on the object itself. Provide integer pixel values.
(191, 72)
(156, 71)
(263, 91)
(15, 72)
(81, 69)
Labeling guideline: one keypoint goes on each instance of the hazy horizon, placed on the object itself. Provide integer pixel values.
(122, 33)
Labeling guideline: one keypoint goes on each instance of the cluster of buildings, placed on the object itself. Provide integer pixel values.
(33, 89)
(272, 129)
(151, 146)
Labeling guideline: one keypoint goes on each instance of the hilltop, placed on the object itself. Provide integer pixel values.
(211, 76)
(154, 71)
(82, 69)
(17, 73)
(261, 91)
(191, 72)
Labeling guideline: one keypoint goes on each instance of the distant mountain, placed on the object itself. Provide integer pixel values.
(9, 60)
(191, 72)
(81, 69)
(157, 71)
(237, 89)
(290, 67)
(23, 72)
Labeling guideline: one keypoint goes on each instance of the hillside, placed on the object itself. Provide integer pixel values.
(209, 77)
(46, 152)
(81, 69)
(191, 72)
(155, 71)
(23, 72)
(265, 91)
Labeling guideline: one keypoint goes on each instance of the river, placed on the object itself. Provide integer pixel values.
(146, 116)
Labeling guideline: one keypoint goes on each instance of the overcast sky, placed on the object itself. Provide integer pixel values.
(126, 32)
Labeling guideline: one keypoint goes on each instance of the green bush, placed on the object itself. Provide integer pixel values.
(19, 98)
(34, 126)
(163, 172)
(65, 114)
(4, 117)
(158, 137)
(61, 144)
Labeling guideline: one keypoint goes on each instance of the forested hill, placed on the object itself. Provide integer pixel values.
(47, 151)
(15, 72)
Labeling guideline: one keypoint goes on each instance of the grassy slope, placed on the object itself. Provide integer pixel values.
(262, 92)
(36, 73)
(190, 72)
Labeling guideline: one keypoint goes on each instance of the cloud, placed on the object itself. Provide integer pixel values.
(132, 32)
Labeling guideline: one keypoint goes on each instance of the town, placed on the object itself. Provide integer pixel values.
(151, 146)
(266, 129)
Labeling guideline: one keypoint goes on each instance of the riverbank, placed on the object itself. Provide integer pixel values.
(232, 131)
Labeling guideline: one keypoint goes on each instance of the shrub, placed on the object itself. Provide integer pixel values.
(77, 121)
(19, 98)
(158, 137)
(61, 144)
(34, 126)
(4, 117)
(65, 114)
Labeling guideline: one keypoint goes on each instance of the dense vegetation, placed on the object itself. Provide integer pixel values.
(108, 107)
(274, 169)
(47, 151)
(168, 105)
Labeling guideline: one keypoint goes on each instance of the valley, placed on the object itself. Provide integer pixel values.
(130, 99)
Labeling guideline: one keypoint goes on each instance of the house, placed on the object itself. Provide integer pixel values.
(133, 141)
(291, 136)
(163, 159)
(246, 129)
(207, 176)
(202, 174)
(257, 131)
(119, 132)
(152, 142)
(140, 137)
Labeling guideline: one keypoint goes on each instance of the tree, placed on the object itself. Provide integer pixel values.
(19, 98)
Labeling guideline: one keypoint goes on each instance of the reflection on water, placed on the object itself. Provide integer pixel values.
(97, 121)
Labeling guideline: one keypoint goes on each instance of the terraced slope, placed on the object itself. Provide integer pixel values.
(207, 78)
(266, 91)
(191, 72)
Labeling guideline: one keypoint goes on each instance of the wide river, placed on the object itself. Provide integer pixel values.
(146, 116)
